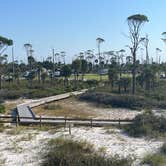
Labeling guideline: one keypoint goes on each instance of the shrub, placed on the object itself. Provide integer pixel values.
(122, 100)
(154, 160)
(92, 82)
(114, 100)
(66, 152)
(9, 94)
(147, 124)
(2, 108)
(163, 149)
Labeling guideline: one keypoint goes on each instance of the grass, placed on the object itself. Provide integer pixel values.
(92, 77)
(52, 107)
(16, 131)
(2, 108)
(66, 152)
(156, 159)
(66, 108)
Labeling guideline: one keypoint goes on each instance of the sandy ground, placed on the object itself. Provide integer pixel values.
(26, 147)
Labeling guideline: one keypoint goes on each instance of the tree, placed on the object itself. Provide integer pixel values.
(63, 55)
(99, 41)
(66, 72)
(84, 66)
(135, 23)
(43, 76)
(145, 41)
(76, 65)
(30, 77)
(113, 73)
(4, 43)
(31, 62)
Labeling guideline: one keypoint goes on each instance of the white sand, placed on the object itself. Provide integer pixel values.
(26, 148)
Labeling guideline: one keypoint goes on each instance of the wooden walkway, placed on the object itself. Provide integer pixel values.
(26, 116)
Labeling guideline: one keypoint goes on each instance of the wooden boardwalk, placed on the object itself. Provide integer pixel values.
(26, 116)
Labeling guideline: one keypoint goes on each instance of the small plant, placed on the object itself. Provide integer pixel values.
(154, 160)
(2, 108)
(163, 149)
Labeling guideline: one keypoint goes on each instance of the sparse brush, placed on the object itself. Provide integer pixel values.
(52, 107)
(66, 152)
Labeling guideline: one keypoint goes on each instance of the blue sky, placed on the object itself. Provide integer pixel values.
(73, 25)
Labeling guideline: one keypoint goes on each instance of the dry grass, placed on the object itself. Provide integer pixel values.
(72, 107)
(68, 107)
(10, 104)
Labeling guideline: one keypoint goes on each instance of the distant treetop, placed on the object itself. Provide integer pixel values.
(6, 41)
(138, 17)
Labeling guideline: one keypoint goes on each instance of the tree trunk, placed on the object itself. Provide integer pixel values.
(38, 77)
(0, 82)
(134, 73)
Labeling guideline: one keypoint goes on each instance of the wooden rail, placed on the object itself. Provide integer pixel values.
(55, 120)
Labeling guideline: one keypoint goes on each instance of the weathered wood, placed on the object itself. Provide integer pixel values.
(91, 122)
(54, 121)
(40, 122)
(69, 129)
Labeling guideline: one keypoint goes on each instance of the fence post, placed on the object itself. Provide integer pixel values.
(65, 122)
(70, 129)
(91, 122)
(119, 123)
(16, 120)
(40, 121)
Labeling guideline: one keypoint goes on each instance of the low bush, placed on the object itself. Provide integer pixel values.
(156, 159)
(2, 108)
(66, 152)
(147, 124)
(10, 94)
(163, 149)
(114, 100)
(122, 100)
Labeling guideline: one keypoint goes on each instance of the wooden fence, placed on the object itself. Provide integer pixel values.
(39, 120)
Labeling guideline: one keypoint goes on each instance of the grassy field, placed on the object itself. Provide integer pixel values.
(91, 77)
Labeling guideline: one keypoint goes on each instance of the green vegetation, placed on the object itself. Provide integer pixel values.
(122, 101)
(66, 152)
(147, 124)
(13, 91)
(2, 108)
(157, 159)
